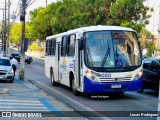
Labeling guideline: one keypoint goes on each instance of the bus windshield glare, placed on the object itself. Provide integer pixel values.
(111, 49)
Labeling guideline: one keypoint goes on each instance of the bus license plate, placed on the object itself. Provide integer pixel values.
(115, 86)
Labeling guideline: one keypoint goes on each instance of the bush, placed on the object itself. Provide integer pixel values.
(41, 49)
(33, 47)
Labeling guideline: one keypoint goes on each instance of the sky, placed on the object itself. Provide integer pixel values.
(14, 3)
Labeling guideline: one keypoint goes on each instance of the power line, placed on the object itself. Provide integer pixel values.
(30, 3)
(17, 6)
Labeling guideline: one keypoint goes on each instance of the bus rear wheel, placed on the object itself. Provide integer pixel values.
(52, 79)
(75, 92)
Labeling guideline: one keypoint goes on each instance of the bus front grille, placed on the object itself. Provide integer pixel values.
(118, 79)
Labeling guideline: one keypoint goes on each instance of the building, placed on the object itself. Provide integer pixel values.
(154, 20)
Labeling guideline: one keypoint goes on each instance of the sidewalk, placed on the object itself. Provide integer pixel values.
(23, 99)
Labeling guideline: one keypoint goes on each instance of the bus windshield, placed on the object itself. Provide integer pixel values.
(111, 49)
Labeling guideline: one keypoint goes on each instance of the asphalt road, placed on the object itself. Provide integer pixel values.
(130, 103)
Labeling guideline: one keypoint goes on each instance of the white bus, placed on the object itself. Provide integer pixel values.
(95, 59)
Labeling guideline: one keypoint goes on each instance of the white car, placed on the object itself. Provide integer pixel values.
(6, 70)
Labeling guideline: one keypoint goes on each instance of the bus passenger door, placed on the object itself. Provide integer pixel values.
(78, 66)
(57, 62)
(81, 69)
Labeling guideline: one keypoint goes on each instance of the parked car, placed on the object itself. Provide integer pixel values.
(6, 70)
(151, 74)
(28, 59)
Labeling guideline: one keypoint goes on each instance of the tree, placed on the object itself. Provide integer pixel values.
(15, 32)
(129, 13)
(69, 14)
(150, 48)
(145, 34)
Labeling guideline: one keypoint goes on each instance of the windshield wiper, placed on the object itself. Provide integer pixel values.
(90, 56)
(106, 55)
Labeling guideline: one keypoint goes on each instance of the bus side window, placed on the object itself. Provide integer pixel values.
(71, 45)
(64, 46)
(53, 47)
(50, 47)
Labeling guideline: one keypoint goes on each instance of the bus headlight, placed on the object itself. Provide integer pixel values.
(90, 76)
(138, 75)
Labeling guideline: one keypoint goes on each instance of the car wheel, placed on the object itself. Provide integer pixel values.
(11, 81)
(29, 62)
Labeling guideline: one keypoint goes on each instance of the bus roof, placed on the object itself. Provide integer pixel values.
(91, 28)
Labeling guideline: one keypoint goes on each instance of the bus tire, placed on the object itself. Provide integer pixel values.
(75, 92)
(52, 79)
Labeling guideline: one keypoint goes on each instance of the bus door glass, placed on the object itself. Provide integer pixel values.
(63, 61)
(81, 69)
(58, 60)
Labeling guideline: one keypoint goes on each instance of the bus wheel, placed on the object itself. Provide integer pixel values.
(52, 79)
(75, 92)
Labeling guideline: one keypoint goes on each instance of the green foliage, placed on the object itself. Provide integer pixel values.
(0, 27)
(145, 32)
(15, 32)
(41, 48)
(33, 46)
(69, 14)
(150, 48)
(143, 44)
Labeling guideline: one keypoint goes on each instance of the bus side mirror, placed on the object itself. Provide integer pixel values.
(81, 44)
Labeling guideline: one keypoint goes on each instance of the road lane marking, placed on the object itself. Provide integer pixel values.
(22, 84)
(50, 107)
(21, 105)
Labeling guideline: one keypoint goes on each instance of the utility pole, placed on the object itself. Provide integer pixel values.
(8, 36)
(22, 18)
(46, 3)
(4, 42)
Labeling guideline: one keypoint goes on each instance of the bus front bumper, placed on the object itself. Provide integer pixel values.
(91, 87)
